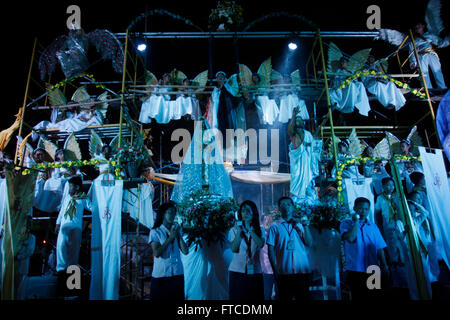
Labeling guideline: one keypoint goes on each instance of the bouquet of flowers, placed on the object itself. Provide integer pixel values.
(205, 216)
(271, 218)
(323, 215)
(130, 157)
(227, 16)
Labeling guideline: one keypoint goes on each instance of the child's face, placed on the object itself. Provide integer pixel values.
(404, 147)
(389, 187)
(247, 213)
(363, 209)
(169, 215)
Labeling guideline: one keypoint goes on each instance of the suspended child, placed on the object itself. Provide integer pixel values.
(290, 99)
(69, 224)
(386, 92)
(354, 94)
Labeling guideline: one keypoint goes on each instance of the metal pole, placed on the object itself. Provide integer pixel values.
(330, 116)
(123, 88)
(26, 94)
(425, 86)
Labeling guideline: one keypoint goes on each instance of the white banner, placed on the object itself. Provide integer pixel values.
(438, 192)
(363, 189)
(106, 235)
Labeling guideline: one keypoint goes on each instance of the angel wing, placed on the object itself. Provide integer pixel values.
(392, 36)
(108, 46)
(56, 97)
(233, 86)
(103, 106)
(433, 17)
(150, 78)
(295, 77)
(81, 95)
(383, 148)
(245, 74)
(265, 71)
(72, 148)
(48, 59)
(330, 145)
(276, 76)
(201, 79)
(384, 64)
(48, 146)
(177, 76)
(355, 148)
(334, 57)
(415, 140)
(358, 60)
(25, 149)
(114, 144)
(95, 144)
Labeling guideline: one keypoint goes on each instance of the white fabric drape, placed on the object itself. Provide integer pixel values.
(138, 203)
(355, 190)
(438, 192)
(105, 244)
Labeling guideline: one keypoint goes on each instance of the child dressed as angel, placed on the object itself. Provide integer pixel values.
(69, 224)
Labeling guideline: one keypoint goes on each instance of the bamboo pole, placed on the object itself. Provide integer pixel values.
(26, 93)
(330, 115)
(425, 87)
(123, 89)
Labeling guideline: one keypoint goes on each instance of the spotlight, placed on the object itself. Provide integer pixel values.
(141, 47)
(292, 46)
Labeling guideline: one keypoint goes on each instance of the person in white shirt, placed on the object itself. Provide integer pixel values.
(287, 246)
(166, 241)
(247, 239)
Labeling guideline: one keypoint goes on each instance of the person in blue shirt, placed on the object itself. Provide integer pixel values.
(363, 245)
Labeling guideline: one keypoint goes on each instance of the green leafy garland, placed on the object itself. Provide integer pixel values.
(344, 164)
(74, 164)
(69, 80)
(384, 76)
(227, 13)
(205, 216)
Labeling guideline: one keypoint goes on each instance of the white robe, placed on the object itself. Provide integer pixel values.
(157, 107)
(386, 93)
(301, 166)
(287, 105)
(138, 202)
(267, 109)
(69, 236)
(77, 123)
(352, 96)
(106, 238)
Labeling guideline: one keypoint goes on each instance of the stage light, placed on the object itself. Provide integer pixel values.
(292, 46)
(142, 47)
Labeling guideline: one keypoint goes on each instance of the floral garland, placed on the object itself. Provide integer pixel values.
(69, 80)
(344, 164)
(227, 15)
(74, 164)
(384, 76)
(207, 217)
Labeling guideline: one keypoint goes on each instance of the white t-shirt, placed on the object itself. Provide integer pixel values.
(293, 258)
(241, 259)
(169, 263)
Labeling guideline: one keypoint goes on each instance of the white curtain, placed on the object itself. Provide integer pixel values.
(438, 192)
(355, 190)
(106, 232)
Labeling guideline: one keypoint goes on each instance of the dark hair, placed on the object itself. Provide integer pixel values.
(361, 200)
(76, 181)
(161, 211)
(106, 146)
(285, 198)
(255, 215)
(416, 176)
(386, 180)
